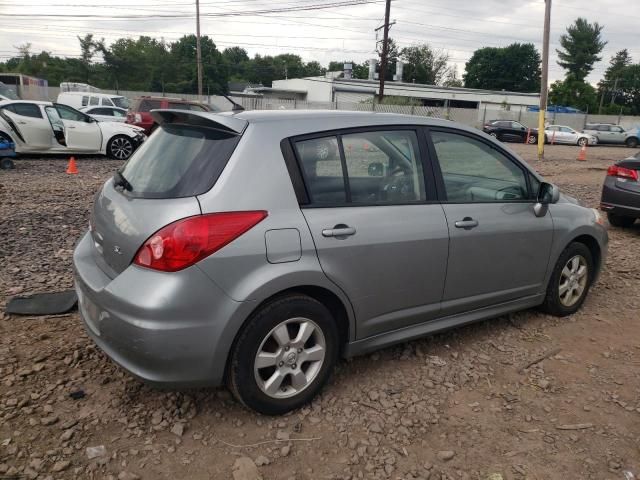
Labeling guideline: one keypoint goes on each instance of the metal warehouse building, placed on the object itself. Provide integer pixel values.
(331, 88)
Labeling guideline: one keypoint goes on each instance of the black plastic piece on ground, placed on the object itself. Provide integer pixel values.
(77, 395)
(43, 303)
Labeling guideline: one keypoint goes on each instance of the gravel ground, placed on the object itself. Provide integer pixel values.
(453, 406)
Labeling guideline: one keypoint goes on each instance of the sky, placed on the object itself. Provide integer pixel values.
(339, 33)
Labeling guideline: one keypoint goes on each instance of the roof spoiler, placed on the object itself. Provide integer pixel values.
(229, 124)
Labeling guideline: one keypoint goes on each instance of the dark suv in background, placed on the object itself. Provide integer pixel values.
(141, 106)
(510, 131)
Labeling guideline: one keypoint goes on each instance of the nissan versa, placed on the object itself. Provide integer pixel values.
(256, 248)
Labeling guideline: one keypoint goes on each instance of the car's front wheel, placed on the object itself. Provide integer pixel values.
(620, 221)
(120, 147)
(632, 142)
(570, 281)
(583, 141)
(284, 355)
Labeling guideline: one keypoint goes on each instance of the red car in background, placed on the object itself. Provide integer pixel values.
(139, 114)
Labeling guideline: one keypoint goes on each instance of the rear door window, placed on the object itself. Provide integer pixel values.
(25, 109)
(322, 168)
(179, 161)
(377, 167)
(94, 101)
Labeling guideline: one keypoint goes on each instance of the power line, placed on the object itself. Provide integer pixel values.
(343, 3)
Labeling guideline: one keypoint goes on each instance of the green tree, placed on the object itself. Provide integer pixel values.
(215, 71)
(574, 93)
(581, 46)
(612, 77)
(514, 68)
(425, 65)
(393, 53)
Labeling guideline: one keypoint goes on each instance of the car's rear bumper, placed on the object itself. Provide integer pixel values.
(618, 200)
(164, 328)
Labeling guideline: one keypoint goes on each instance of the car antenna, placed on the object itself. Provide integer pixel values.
(236, 106)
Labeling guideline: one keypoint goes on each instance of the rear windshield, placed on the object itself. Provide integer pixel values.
(179, 161)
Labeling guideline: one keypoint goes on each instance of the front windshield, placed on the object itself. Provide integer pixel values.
(8, 92)
(121, 102)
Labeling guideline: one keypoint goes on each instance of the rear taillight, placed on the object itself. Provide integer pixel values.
(185, 242)
(621, 172)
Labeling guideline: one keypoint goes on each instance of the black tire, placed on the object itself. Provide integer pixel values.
(117, 147)
(620, 221)
(6, 164)
(583, 141)
(533, 139)
(552, 302)
(632, 142)
(241, 377)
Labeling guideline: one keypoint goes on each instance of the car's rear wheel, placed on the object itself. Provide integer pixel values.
(621, 221)
(533, 139)
(570, 281)
(583, 141)
(284, 355)
(632, 142)
(120, 147)
(5, 162)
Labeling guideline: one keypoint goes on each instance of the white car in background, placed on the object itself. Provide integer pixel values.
(566, 135)
(46, 127)
(106, 114)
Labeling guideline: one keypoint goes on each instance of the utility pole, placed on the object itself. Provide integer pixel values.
(385, 50)
(614, 93)
(544, 86)
(198, 51)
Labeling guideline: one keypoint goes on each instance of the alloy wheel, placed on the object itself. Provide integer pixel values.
(121, 148)
(573, 280)
(289, 358)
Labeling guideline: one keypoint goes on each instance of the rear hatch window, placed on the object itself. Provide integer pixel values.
(177, 161)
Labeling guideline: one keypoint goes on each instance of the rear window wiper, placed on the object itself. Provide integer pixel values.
(120, 181)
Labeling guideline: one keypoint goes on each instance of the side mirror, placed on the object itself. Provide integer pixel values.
(547, 194)
(375, 169)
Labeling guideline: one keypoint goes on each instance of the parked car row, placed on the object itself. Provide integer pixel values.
(592, 134)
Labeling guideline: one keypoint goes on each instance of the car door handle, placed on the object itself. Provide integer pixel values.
(339, 231)
(22, 123)
(467, 223)
(70, 126)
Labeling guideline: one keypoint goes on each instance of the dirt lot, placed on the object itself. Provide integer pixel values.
(453, 406)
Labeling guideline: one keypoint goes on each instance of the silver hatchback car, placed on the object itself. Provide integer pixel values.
(256, 248)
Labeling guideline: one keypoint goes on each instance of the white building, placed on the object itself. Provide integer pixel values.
(331, 89)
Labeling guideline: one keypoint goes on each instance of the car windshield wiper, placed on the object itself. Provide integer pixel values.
(120, 181)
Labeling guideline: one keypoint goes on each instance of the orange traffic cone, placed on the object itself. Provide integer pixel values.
(583, 154)
(72, 168)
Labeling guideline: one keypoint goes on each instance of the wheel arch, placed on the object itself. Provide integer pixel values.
(594, 247)
(331, 300)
